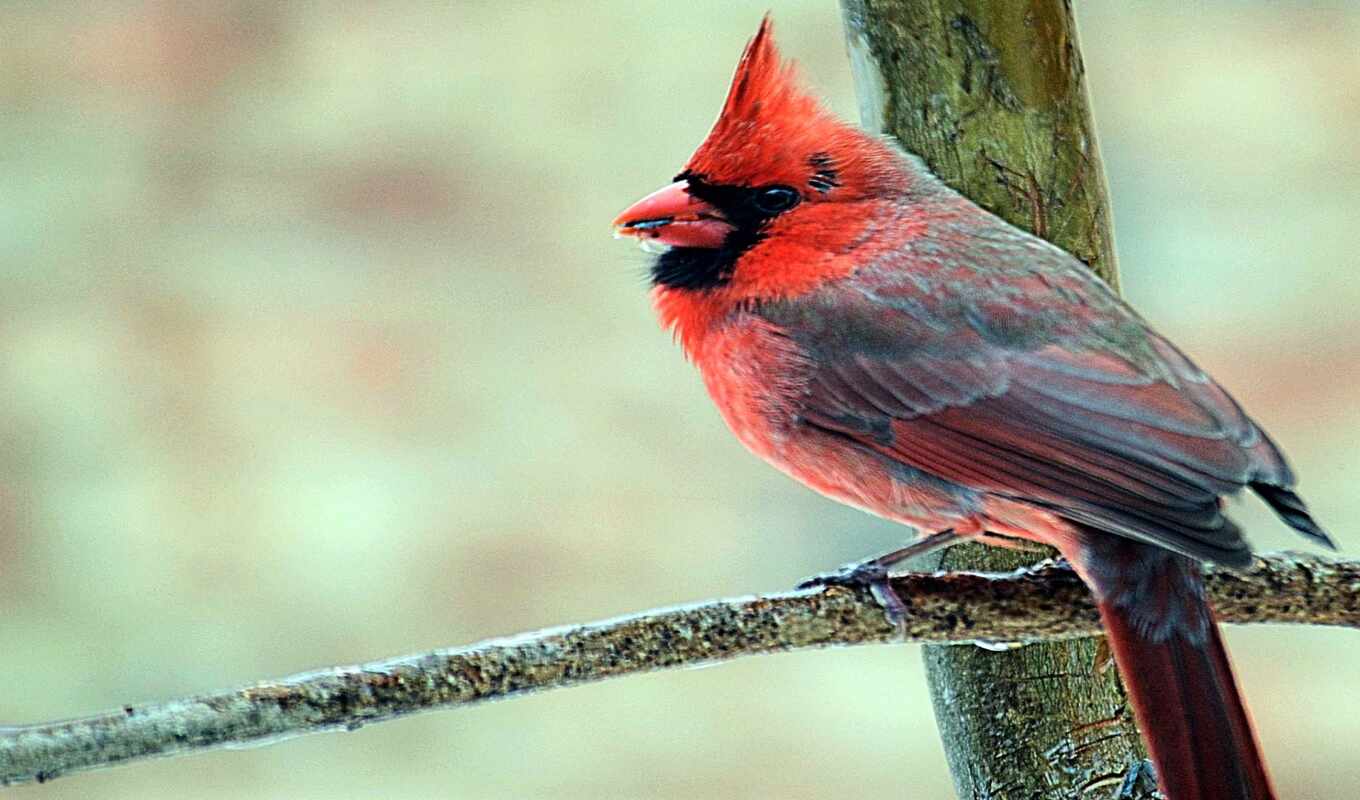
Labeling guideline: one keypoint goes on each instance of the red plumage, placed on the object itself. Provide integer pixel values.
(887, 342)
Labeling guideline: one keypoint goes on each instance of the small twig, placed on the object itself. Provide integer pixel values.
(1046, 603)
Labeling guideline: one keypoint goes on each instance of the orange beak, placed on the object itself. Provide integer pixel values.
(672, 216)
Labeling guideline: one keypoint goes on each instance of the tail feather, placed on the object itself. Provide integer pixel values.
(1177, 673)
(1292, 510)
(1191, 715)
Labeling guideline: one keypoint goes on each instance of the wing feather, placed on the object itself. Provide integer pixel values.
(1002, 364)
(1084, 434)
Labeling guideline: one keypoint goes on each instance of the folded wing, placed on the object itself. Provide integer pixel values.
(1144, 451)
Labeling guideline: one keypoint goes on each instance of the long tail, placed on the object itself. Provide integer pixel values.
(1179, 680)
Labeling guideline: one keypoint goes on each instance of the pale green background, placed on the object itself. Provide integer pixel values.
(315, 348)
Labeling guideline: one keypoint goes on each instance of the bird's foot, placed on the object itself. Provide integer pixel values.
(872, 575)
(1056, 564)
(1140, 783)
(855, 575)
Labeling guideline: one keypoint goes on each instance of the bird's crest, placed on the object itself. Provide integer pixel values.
(771, 130)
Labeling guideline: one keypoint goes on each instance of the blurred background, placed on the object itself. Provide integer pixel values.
(315, 348)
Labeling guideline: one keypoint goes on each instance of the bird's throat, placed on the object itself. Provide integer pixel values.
(700, 268)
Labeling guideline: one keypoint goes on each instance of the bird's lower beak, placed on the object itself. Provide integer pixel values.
(674, 217)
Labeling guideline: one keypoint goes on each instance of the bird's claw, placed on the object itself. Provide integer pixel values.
(858, 575)
(1140, 783)
(871, 575)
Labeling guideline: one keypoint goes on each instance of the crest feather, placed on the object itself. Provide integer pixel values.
(760, 76)
(772, 131)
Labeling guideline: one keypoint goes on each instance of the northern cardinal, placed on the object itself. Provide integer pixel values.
(882, 339)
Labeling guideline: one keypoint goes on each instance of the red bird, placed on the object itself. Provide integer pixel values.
(882, 339)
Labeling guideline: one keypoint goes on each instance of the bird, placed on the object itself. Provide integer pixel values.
(887, 342)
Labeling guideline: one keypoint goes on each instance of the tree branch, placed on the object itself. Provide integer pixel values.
(1046, 603)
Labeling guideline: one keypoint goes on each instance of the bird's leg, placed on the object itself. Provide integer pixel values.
(873, 573)
(1006, 541)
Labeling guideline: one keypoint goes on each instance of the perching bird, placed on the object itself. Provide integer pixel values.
(887, 342)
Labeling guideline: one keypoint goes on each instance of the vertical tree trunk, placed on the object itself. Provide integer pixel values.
(991, 93)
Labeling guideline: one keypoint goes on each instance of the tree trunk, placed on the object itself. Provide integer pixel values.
(991, 93)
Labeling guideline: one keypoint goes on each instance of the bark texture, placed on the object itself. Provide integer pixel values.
(992, 95)
(1047, 602)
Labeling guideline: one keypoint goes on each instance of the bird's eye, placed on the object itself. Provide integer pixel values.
(775, 199)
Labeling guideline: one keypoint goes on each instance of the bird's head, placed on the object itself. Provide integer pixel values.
(765, 206)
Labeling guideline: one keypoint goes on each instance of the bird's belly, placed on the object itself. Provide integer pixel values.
(757, 378)
(872, 482)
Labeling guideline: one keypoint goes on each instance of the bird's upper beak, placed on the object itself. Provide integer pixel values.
(672, 216)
